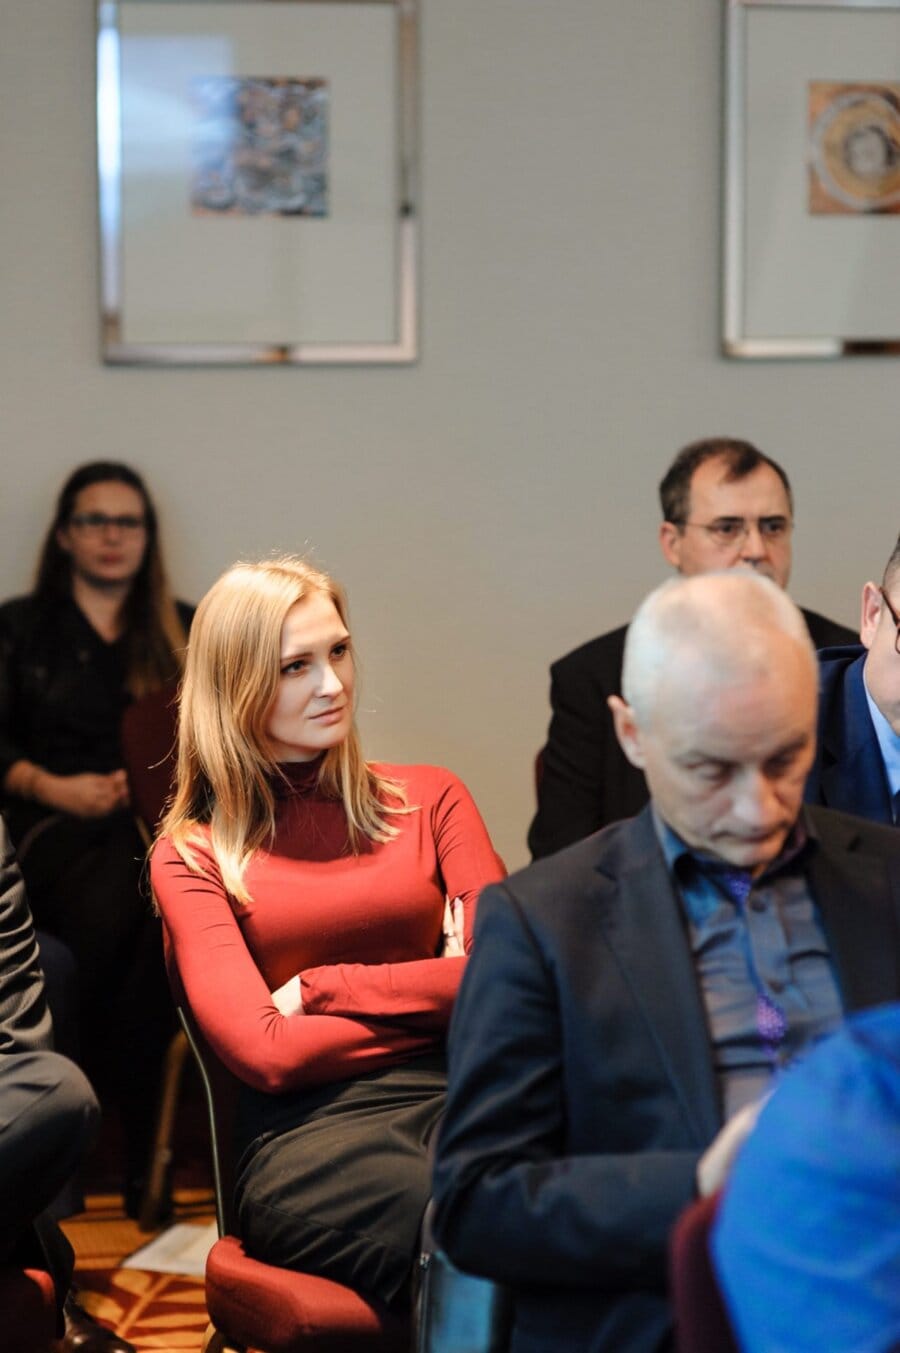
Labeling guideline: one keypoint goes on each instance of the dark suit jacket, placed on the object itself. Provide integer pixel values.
(848, 772)
(582, 1091)
(24, 1018)
(585, 781)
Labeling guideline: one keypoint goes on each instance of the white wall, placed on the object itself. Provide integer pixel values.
(493, 505)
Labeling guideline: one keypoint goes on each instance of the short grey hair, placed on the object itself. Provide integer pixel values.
(726, 618)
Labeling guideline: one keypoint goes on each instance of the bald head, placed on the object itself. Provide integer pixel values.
(718, 627)
(719, 712)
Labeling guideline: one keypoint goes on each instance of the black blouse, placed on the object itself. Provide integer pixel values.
(62, 688)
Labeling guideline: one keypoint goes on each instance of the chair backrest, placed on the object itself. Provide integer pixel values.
(701, 1321)
(147, 739)
(220, 1091)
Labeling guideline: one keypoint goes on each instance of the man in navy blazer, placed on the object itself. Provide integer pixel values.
(627, 997)
(725, 505)
(857, 767)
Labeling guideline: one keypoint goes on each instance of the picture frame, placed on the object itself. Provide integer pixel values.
(811, 182)
(257, 167)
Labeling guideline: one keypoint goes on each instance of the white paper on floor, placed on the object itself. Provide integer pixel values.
(179, 1249)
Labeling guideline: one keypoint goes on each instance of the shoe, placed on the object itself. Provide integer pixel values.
(86, 1335)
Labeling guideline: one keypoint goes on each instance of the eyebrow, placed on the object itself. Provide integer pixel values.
(308, 652)
(694, 757)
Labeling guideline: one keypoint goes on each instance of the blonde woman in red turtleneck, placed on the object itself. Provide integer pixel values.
(319, 907)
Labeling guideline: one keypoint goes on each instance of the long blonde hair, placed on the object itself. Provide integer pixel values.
(224, 773)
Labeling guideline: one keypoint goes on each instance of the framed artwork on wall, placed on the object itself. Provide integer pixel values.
(812, 178)
(257, 181)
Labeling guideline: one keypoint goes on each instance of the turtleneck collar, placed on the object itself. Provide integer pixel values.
(291, 778)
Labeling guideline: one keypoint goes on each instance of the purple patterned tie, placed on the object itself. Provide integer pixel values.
(771, 1024)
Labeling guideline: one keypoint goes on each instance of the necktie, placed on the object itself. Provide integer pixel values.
(771, 1024)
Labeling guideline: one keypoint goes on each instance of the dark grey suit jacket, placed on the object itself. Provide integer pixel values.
(25, 1026)
(585, 780)
(24, 1017)
(582, 1091)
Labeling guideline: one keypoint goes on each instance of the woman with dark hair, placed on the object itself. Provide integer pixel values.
(99, 630)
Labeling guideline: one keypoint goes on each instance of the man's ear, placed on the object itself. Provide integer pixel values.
(870, 613)
(627, 730)
(670, 543)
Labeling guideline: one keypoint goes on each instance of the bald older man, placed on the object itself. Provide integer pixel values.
(627, 997)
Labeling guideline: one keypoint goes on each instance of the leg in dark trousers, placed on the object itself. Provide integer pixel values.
(61, 989)
(84, 882)
(342, 1194)
(48, 1117)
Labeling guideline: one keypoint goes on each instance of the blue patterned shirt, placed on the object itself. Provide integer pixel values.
(775, 944)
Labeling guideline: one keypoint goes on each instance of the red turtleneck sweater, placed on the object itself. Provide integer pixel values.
(362, 931)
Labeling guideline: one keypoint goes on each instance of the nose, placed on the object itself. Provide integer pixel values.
(755, 804)
(753, 547)
(329, 681)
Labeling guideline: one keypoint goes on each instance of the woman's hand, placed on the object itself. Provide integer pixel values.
(85, 795)
(289, 998)
(453, 928)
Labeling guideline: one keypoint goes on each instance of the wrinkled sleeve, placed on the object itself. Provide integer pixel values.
(24, 1017)
(420, 992)
(233, 1005)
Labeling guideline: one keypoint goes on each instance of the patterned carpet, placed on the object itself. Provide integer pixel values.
(153, 1311)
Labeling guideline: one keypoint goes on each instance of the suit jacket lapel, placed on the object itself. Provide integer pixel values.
(643, 924)
(855, 892)
(853, 778)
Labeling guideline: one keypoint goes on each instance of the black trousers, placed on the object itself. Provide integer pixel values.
(84, 879)
(48, 1117)
(342, 1192)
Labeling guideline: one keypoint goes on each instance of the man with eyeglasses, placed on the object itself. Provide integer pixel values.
(725, 505)
(857, 767)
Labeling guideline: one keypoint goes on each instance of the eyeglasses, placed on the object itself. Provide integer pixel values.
(726, 531)
(95, 523)
(894, 616)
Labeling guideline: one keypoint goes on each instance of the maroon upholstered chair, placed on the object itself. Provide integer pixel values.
(256, 1306)
(28, 1306)
(701, 1321)
(147, 736)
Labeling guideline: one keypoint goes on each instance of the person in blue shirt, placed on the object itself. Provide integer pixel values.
(807, 1240)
